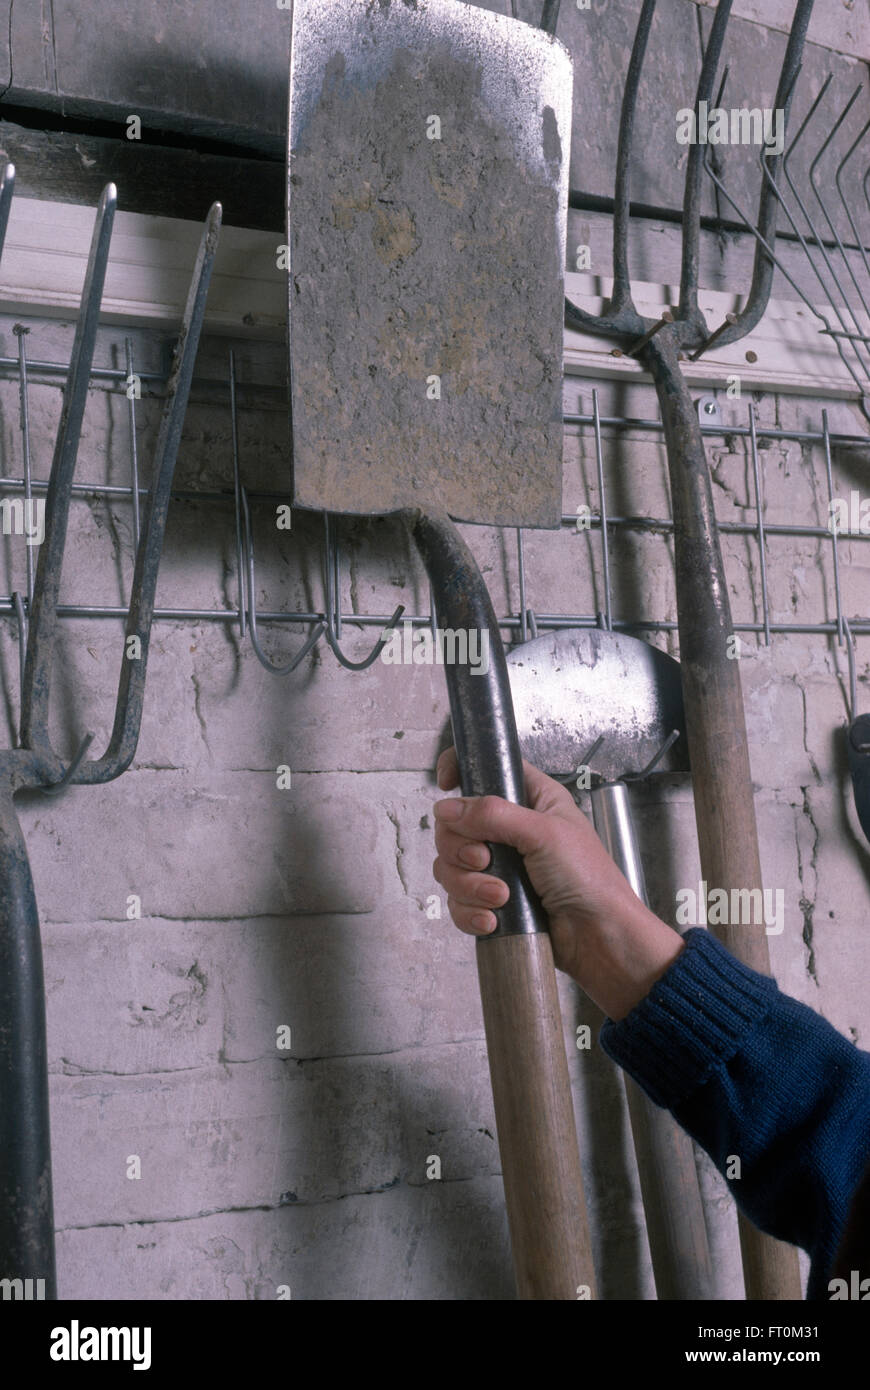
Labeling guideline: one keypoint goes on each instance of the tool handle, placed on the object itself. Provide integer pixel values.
(26, 1212)
(672, 1202)
(534, 1112)
(858, 749)
(716, 731)
(537, 1137)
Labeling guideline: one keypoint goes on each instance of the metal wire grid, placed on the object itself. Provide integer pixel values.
(328, 623)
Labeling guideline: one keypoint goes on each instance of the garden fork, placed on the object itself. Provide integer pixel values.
(715, 722)
(26, 1212)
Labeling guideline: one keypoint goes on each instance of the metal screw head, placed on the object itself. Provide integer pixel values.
(708, 411)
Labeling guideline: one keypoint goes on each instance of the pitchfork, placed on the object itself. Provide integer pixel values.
(724, 810)
(26, 1213)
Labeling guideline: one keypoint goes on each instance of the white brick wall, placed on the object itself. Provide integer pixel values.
(304, 907)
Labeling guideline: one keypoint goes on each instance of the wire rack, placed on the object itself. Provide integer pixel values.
(522, 623)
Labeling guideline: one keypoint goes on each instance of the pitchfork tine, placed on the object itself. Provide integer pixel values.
(621, 316)
(621, 298)
(838, 180)
(43, 614)
(821, 202)
(131, 686)
(836, 306)
(692, 194)
(768, 206)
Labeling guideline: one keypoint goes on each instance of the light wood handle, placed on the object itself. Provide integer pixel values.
(716, 729)
(535, 1118)
(672, 1204)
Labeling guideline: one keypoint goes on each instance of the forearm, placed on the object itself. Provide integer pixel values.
(755, 1076)
(616, 959)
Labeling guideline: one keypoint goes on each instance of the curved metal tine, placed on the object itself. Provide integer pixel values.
(853, 678)
(56, 787)
(21, 625)
(621, 299)
(764, 227)
(834, 333)
(131, 685)
(621, 317)
(330, 633)
(602, 495)
(134, 450)
(762, 559)
(43, 610)
(7, 188)
(21, 629)
(814, 231)
(316, 634)
(654, 762)
(729, 319)
(773, 258)
(864, 186)
(567, 778)
(835, 234)
(692, 195)
(20, 333)
(837, 177)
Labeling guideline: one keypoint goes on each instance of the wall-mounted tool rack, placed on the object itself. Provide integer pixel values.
(326, 622)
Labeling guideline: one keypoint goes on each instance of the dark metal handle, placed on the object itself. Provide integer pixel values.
(858, 748)
(26, 1211)
(531, 1088)
(481, 708)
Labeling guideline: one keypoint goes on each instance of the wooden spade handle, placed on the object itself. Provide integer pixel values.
(535, 1117)
(534, 1112)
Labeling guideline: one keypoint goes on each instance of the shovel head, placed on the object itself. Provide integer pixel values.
(575, 685)
(428, 171)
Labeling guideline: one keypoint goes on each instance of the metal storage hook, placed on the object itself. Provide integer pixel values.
(330, 626)
(311, 642)
(245, 557)
(333, 609)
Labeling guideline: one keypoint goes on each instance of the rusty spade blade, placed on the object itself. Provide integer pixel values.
(427, 202)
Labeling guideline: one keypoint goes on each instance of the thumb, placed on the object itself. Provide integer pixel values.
(494, 819)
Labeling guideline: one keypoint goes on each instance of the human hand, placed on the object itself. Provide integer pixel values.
(602, 934)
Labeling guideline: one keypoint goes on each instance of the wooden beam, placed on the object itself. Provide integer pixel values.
(167, 181)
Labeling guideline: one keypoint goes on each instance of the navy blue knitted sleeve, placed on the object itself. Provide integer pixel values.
(751, 1073)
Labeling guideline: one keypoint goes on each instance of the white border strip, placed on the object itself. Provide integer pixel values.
(47, 243)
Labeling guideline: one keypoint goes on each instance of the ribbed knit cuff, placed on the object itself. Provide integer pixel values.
(693, 1019)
